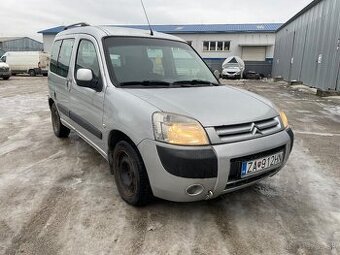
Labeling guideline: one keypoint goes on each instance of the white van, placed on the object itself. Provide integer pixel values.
(31, 62)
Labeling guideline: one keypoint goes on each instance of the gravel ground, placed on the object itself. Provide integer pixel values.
(58, 197)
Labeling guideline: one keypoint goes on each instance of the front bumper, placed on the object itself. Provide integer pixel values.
(173, 185)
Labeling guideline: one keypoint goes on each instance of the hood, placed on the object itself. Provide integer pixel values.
(2, 64)
(211, 106)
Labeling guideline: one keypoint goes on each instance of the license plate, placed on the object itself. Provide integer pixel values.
(261, 164)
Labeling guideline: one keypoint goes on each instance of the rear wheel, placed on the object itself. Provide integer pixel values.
(58, 128)
(130, 175)
(31, 72)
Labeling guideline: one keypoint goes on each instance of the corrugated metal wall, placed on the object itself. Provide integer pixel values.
(308, 48)
(22, 44)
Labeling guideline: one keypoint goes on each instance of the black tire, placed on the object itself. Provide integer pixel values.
(58, 128)
(130, 175)
(5, 78)
(31, 72)
(45, 74)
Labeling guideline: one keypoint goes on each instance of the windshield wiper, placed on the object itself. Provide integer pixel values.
(195, 82)
(146, 83)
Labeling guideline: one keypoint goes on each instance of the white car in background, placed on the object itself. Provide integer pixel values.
(233, 67)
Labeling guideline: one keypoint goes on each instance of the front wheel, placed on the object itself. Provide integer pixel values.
(32, 72)
(5, 77)
(130, 175)
(58, 128)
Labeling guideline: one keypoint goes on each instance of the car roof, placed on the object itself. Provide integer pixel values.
(103, 31)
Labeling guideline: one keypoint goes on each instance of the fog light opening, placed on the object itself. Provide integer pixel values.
(195, 189)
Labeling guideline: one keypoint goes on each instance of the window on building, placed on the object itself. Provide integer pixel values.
(212, 46)
(216, 45)
(219, 46)
(226, 45)
(206, 46)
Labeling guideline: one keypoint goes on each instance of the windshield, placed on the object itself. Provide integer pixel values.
(150, 62)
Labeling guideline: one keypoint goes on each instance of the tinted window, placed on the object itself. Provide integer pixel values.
(65, 57)
(87, 58)
(54, 56)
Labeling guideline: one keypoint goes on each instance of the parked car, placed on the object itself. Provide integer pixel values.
(252, 75)
(167, 129)
(233, 67)
(5, 71)
(31, 62)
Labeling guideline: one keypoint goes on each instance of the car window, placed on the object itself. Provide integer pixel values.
(87, 58)
(184, 64)
(65, 57)
(54, 56)
(156, 56)
(3, 59)
(144, 59)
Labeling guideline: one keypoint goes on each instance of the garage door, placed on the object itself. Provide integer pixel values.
(254, 53)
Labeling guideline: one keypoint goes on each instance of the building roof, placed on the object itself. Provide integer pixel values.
(4, 39)
(304, 10)
(7, 39)
(196, 28)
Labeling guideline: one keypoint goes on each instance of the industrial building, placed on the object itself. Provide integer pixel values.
(254, 43)
(19, 44)
(308, 46)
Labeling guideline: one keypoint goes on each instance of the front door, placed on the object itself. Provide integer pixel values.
(86, 104)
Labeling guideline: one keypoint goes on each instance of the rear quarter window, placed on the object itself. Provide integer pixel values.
(61, 56)
(54, 56)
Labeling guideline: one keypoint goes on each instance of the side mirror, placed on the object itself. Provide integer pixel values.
(217, 74)
(84, 76)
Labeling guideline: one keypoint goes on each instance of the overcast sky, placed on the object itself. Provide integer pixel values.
(26, 17)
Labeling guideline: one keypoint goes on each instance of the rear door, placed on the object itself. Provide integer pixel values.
(59, 78)
(86, 104)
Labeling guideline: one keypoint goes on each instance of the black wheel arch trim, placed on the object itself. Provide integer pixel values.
(291, 136)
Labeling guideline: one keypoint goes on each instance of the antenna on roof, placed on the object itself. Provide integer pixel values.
(147, 18)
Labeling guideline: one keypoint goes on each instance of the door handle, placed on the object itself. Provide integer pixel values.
(68, 82)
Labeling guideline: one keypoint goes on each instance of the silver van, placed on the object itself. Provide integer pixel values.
(153, 109)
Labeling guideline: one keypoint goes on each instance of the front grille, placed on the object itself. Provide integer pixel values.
(4, 69)
(236, 163)
(235, 184)
(246, 131)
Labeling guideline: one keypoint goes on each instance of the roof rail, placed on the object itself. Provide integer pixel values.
(80, 24)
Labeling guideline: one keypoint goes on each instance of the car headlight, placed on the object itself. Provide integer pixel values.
(176, 129)
(284, 119)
